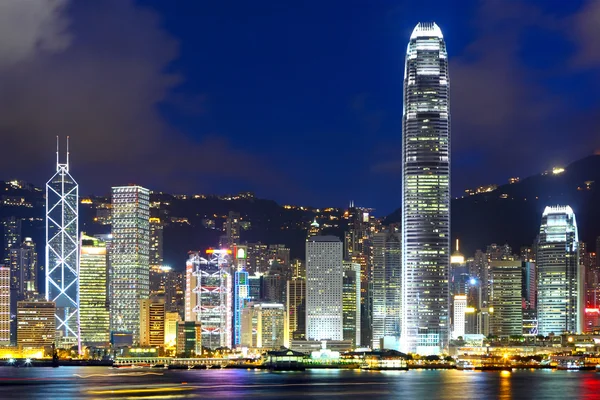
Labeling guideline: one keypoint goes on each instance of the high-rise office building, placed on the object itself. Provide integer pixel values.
(62, 251)
(93, 292)
(4, 306)
(258, 258)
(12, 236)
(36, 324)
(426, 192)
(263, 326)
(232, 229)
(458, 320)
(241, 291)
(152, 322)
(211, 292)
(506, 279)
(191, 287)
(129, 257)
(386, 287)
(557, 272)
(296, 317)
(351, 317)
(324, 283)
(23, 274)
(156, 243)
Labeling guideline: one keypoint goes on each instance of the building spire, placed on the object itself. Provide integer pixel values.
(67, 151)
(57, 149)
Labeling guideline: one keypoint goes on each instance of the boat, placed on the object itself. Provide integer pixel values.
(464, 365)
(569, 366)
(133, 366)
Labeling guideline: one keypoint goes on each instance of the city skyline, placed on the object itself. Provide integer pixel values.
(246, 113)
(379, 292)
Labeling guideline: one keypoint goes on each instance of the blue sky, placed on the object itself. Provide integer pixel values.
(300, 102)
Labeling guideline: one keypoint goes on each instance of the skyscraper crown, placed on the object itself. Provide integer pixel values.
(427, 29)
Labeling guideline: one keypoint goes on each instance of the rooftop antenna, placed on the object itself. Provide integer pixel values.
(68, 151)
(56, 149)
(457, 245)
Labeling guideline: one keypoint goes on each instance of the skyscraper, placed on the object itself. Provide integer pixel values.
(232, 229)
(506, 284)
(130, 264)
(62, 255)
(23, 269)
(12, 236)
(156, 243)
(4, 305)
(425, 192)
(296, 319)
(386, 287)
(211, 292)
(241, 291)
(324, 288)
(558, 261)
(93, 296)
(351, 303)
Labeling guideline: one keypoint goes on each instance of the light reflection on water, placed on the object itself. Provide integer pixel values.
(99, 382)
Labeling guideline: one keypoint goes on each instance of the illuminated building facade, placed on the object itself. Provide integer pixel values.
(213, 297)
(156, 243)
(425, 193)
(296, 317)
(12, 236)
(263, 326)
(506, 300)
(171, 320)
(386, 287)
(189, 339)
(557, 276)
(93, 295)
(241, 291)
(36, 324)
(232, 229)
(152, 322)
(460, 306)
(351, 303)
(62, 251)
(4, 306)
(23, 270)
(129, 257)
(324, 283)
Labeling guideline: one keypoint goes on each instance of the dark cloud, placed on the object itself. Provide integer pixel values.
(584, 29)
(97, 71)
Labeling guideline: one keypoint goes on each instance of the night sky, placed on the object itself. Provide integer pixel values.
(300, 102)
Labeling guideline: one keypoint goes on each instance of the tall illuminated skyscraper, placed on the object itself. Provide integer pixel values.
(324, 286)
(559, 296)
(209, 298)
(4, 305)
(23, 270)
(93, 299)
(62, 255)
(12, 236)
(425, 192)
(130, 263)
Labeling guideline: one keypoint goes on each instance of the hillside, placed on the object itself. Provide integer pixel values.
(512, 213)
